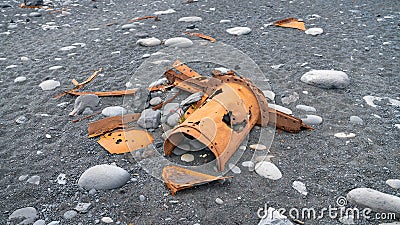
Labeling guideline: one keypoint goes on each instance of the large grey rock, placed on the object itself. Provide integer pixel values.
(84, 101)
(103, 177)
(180, 42)
(25, 215)
(375, 200)
(149, 42)
(149, 118)
(326, 78)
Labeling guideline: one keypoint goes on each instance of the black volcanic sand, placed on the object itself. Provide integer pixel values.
(354, 40)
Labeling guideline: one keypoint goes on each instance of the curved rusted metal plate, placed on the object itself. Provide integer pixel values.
(122, 141)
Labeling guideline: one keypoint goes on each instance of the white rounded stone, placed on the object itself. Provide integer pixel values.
(326, 78)
(103, 177)
(239, 30)
(180, 42)
(268, 170)
(187, 157)
(190, 19)
(114, 111)
(48, 85)
(149, 42)
(314, 31)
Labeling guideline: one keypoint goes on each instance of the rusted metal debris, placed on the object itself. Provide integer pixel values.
(203, 36)
(123, 141)
(228, 111)
(108, 124)
(104, 93)
(177, 178)
(80, 85)
(145, 18)
(290, 23)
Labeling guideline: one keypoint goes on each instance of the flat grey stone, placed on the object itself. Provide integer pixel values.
(128, 26)
(48, 85)
(306, 108)
(25, 215)
(54, 223)
(375, 200)
(19, 79)
(114, 111)
(34, 180)
(190, 19)
(235, 169)
(149, 118)
(394, 183)
(149, 42)
(239, 31)
(103, 177)
(165, 12)
(40, 222)
(180, 42)
(83, 207)
(356, 120)
(21, 120)
(268, 170)
(84, 101)
(35, 14)
(314, 31)
(312, 120)
(326, 79)
(219, 201)
(70, 214)
(173, 119)
(155, 101)
(192, 98)
(142, 198)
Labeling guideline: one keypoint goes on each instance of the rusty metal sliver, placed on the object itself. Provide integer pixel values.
(286, 122)
(177, 178)
(290, 23)
(123, 141)
(108, 124)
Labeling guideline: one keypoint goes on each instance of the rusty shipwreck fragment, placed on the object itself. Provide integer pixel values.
(82, 84)
(123, 141)
(229, 109)
(203, 36)
(108, 124)
(177, 178)
(290, 23)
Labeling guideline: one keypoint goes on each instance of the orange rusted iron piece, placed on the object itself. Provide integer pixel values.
(104, 93)
(203, 36)
(22, 5)
(286, 122)
(145, 18)
(177, 178)
(290, 23)
(108, 124)
(80, 85)
(123, 141)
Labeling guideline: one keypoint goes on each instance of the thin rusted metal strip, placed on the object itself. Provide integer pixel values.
(203, 36)
(108, 124)
(286, 122)
(104, 93)
(80, 85)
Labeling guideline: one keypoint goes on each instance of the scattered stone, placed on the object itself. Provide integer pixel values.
(55, 67)
(169, 11)
(173, 120)
(312, 120)
(306, 108)
(145, 56)
(103, 177)
(107, 220)
(300, 187)
(268, 170)
(326, 79)
(266, 158)
(375, 200)
(149, 118)
(67, 48)
(40, 222)
(12, 26)
(224, 21)
(277, 66)
(149, 42)
(192, 98)
(24, 58)
(35, 14)
(34, 180)
(314, 31)
(258, 147)
(54, 223)
(11, 66)
(219, 201)
(48, 85)
(61, 179)
(180, 42)
(269, 94)
(48, 136)
(84, 101)
(248, 164)
(394, 183)
(27, 215)
(83, 207)
(21, 120)
(22, 177)
(238, 31)
(187, 157)
(142, 198)
(19, 79)
(128, 26)
(190, 19)
(280, 108)
(141, 35)
(356, 120)
(344, 135)
(70, 214)
(369, 99)
(235, 169)
(155, 101)
(114, 111)
(94, 191)
(222, 70)
(291, 98)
